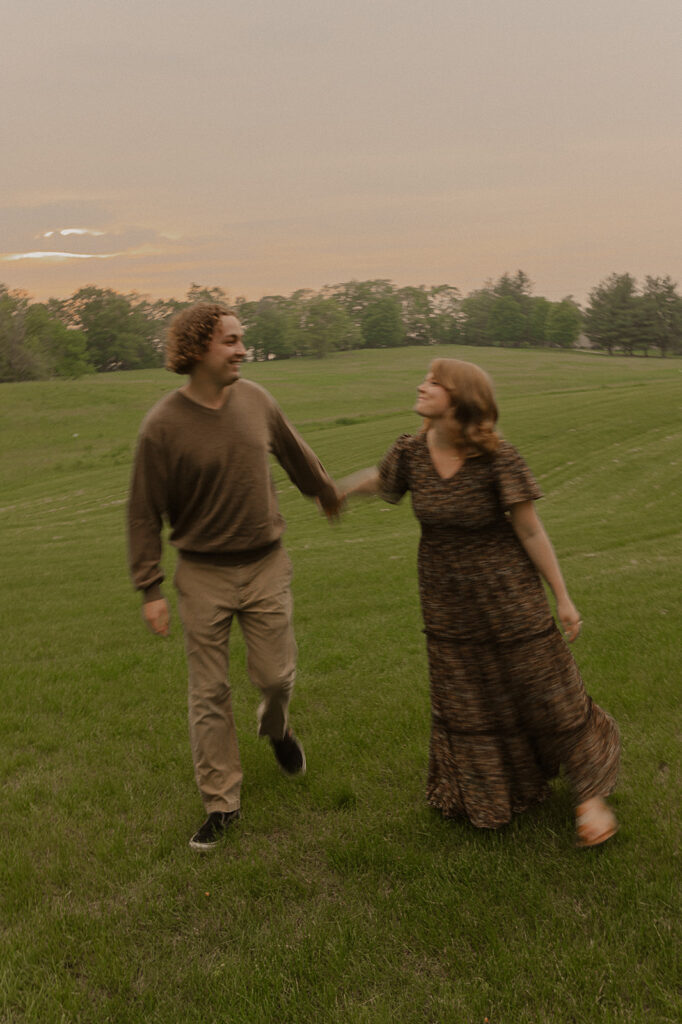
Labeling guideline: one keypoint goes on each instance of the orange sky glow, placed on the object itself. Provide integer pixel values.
(286, 144)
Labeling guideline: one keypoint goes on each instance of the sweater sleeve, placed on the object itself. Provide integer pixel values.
(146, 508)
(297, 458)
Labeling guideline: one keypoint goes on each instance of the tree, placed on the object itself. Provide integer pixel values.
(59, 350)
(269, 328)
(507, 324)
(326, 326)
(199, 293)
(381, 325)
(476, 311)
(612, 317)
(71, 352)
(120, 335)
(516, 289)
(416, 315)
(34, 343)
(446, 314)
(564, 323)
(661, 317)
(537, 320)
(355, 296)
(17, 362)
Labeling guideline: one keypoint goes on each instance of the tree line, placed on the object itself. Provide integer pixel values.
(99, 330)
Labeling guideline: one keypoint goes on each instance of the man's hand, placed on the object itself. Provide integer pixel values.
(331, 501)
(156, 615)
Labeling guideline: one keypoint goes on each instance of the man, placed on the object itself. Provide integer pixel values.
(202, 463)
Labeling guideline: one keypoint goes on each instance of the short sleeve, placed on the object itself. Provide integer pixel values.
(515, 482)
(394, 477)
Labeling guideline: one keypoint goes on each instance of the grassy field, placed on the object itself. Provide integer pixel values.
(341, 899)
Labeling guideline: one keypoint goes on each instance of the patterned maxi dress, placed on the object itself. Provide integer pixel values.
(507, 701)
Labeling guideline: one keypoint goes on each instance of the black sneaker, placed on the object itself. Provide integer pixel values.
(213, 830)
(289, 753)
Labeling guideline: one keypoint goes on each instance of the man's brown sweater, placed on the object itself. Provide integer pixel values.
(207, 471)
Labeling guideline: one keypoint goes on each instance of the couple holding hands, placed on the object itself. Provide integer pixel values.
(508, 705)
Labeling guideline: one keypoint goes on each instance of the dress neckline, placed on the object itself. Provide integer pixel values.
(434, 468)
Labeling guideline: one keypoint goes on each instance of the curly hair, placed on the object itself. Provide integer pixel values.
(190, 333)
(473, 404)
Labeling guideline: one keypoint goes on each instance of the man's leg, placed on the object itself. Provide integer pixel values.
(206, 596)
(266, 619)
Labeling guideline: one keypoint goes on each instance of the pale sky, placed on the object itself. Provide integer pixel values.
(271, 145)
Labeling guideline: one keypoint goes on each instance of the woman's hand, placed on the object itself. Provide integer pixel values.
(570, 620)
(538, 547)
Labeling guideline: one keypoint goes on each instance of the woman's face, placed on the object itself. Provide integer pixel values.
(433, 400)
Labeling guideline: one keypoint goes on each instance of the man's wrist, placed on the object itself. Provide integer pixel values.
(328, 494)
(152, 593)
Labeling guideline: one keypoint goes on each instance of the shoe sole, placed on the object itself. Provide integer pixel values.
(210, 847)
(205, 847)
(603, 838)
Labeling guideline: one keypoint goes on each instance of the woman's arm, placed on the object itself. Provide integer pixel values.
(533, 536)
(365, 482)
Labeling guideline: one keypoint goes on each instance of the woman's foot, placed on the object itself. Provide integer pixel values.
(595, 822)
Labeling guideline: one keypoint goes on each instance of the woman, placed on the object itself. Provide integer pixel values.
(508, 704)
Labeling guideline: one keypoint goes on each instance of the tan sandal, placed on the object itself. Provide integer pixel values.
(595, 822)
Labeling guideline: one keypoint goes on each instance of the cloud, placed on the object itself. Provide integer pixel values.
(99, 240)
(64, 232)
(56, 256)
(21, 224)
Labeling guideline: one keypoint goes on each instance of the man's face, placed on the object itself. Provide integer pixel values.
(225, 353)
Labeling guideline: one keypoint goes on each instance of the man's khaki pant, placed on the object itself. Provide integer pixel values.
(209, 596)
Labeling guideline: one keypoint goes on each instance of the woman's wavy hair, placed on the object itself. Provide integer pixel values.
(190, 333)
(473, 404)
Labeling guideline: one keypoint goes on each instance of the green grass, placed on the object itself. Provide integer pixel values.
(340, 897)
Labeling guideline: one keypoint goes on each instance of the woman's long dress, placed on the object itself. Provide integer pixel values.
(507, 700)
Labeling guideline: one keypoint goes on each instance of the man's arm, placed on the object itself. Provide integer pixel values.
(331, 502)
(145, 519)
(302, 465)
